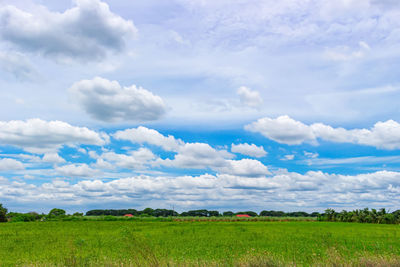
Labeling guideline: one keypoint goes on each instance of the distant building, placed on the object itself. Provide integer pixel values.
(128, 215)
(243, 215)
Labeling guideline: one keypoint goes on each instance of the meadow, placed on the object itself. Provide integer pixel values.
(198, 243)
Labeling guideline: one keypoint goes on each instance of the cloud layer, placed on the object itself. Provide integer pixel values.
(279, 191)
(39, 136)
(285, 130)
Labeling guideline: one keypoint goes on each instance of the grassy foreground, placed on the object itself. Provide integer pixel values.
(154, 243)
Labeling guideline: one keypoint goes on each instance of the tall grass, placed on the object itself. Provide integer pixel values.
(198, 243)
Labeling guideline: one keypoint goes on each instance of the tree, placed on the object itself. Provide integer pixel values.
(3, 213)
(56, 212)
(272, 213)
(213, 213)
(148, 211)
(228, 213)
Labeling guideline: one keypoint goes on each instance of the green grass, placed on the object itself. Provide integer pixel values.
(155, 243)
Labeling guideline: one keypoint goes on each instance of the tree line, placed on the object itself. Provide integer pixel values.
(362, 215)
(195, 213)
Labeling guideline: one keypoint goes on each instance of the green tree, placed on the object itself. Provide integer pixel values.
(228, 213)
(148, 211)
(3, 213)
(56, 212)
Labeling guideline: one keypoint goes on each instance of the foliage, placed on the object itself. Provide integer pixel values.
(228, 213)
(361, 216)
(200, 213)
(3, 213)
(111, 212)
(56, 212)
(122, 212)
(273, 213)
(24, 217)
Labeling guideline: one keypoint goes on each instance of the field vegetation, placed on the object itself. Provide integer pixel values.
(198, 243)
(200, 238)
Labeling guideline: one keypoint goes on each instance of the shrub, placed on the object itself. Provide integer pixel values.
(3, 213)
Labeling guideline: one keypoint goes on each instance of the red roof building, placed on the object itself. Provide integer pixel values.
(243, 215)
(128, 215)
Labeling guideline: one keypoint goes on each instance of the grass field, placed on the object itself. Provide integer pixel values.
(154, 243)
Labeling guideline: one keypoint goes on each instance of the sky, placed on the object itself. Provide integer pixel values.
(188, 104)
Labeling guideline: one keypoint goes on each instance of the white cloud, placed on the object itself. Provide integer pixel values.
(8, 164)
(198, 156)
(53, 158)
(355, 161)
(310, 155)
(86, 31)
(203, 156)
(138, 159)
(143, 135)
(249, 98)
(285, 130)
(288, 157)
(249, 150)
(282, 190)
(77, 170)
(244, 167)
(38, 136)
(383, 135)
(108, 101)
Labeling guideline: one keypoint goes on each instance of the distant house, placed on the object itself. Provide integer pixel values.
(243, 215)
(128, 215)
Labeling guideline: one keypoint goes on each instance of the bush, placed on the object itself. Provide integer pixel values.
(24, 217)
(3, 213)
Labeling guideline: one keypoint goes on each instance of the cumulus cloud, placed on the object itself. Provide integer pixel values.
(77, 170)
(39, 136)
(285, 130)
(249, 150)
(244, 167)
(138, 159)
(52, 158)
(189, 155)
(108, 101)
(86, 31)
(198, 156)
(8, 164)
(249, 98)
(288, 190)
(143, 135)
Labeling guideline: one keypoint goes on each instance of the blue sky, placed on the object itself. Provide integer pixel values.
(227, 105)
